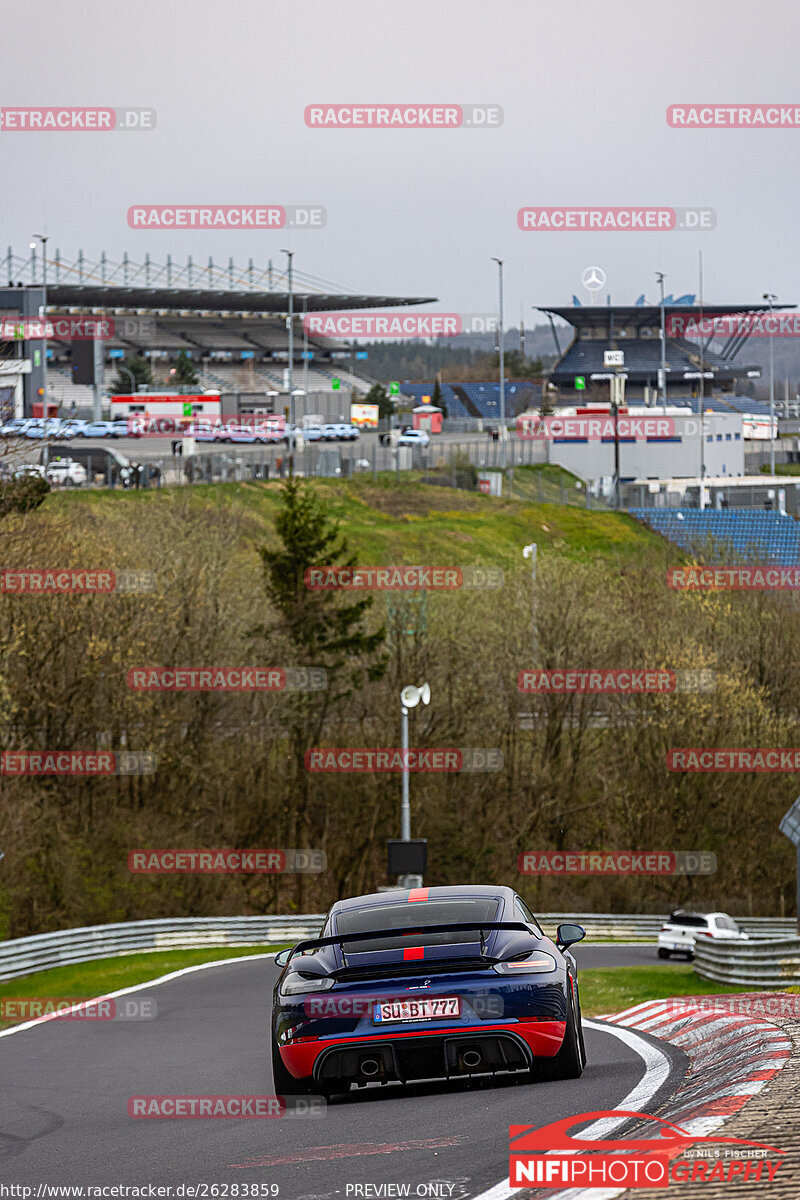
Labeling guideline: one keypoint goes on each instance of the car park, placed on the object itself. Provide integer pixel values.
(481, 992)
(682, 928)
(16, 427)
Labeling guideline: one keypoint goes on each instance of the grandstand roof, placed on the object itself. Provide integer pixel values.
(634, 329)
(645, 314)
(98, 295)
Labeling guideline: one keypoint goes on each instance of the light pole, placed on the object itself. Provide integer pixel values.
(409, 698)
(660, 278)
(305, 346)
(290, 256)
(531, 552)
(770, 299)
(43, 239)
(499, 262)
(134, 385)
(702, 395)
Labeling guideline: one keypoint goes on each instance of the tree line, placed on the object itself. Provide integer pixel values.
(579, 772)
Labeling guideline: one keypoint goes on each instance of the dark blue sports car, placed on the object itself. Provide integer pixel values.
(432, 983)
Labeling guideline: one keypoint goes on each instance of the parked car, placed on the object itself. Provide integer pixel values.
(125, 427)
(99, 429)
(340, 432)
(413, 437)
(15, 427)
(311, 433)
(682, 929)
(65, 472)
(234, 432)
(201, 431)
(115, 468)
(28, 469)
(72, 427)
(35, 428)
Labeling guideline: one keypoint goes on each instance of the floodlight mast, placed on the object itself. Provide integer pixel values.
(409, 698)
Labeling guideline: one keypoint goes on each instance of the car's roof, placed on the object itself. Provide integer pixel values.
(464, 891)
(691, 912)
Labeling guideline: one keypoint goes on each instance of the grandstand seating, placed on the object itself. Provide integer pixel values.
(741, 533)
(484, 397)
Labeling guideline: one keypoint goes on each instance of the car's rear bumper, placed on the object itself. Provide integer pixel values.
(423, 1054)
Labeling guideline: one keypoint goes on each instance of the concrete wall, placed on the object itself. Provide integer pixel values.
(724, 453)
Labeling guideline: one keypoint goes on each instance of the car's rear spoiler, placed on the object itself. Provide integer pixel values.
(411, 931)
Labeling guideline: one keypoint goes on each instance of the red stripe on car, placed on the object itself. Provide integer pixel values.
(418, 894)
(413, 952)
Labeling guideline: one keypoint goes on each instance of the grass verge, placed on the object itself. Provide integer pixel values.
(610, 990)
(603, 990)
(103, 975)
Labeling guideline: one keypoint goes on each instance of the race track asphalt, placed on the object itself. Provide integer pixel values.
(64, 1087)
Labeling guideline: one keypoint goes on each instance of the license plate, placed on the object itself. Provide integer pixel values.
(433, 1008)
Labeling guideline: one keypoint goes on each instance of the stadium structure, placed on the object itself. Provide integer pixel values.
(231, 321)
(710, 374)
(695, 370)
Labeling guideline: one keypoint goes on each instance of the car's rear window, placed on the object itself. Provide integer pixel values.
(690, 919)
(415, 916)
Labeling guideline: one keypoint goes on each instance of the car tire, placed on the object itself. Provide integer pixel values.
(571, 1058)
(283, 1081)
(662, 953)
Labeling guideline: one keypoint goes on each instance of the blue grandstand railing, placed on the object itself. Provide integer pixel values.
(725, 535)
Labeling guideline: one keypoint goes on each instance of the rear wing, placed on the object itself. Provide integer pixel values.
(411, 931)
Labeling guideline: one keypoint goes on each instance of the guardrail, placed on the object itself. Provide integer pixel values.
(42, 951)
(22, 956)
(637, 925)
(769, 964)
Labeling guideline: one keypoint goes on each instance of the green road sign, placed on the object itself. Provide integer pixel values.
(580, 383)
(394, 388)
(336, 384)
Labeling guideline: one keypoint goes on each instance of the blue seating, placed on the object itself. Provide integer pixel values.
(742, 533)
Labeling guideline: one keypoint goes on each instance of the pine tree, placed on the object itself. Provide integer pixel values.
(136, 366)
(324, 629)
(183, 373)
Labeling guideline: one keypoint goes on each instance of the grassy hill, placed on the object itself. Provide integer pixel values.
(397, 518)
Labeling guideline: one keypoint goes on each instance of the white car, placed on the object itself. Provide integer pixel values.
(414, 437)
(64, 472)
(683, 928)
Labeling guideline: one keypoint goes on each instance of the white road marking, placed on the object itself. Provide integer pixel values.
(656, 1073)
(137, 987)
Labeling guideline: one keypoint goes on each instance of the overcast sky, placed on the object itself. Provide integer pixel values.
(584, 87)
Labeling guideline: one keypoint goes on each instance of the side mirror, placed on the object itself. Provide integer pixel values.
(567, 935)
(282, 957)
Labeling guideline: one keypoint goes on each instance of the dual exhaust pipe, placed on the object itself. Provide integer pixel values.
(469, 1059)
